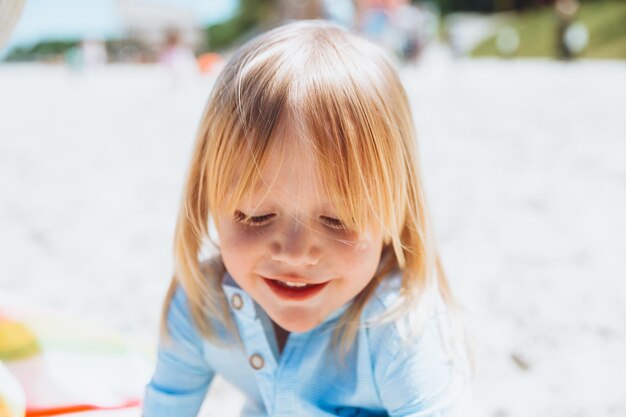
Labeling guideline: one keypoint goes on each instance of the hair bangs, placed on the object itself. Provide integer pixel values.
(340, 110)
(343, 114)
(252, 101)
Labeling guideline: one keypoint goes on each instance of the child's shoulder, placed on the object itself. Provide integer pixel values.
(389, 297)
(418, 350)
(185, 304)
(212, 271)
(391, 325)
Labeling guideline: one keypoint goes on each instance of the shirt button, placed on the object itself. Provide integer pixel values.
(256, 361)
(236, 301)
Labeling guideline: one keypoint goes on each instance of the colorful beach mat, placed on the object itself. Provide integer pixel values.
(53, 364)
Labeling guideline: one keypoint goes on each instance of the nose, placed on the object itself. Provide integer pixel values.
(296, 245)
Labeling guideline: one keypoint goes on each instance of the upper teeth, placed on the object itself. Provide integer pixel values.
(294, 284)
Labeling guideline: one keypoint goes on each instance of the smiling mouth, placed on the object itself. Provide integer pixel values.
(296, 291)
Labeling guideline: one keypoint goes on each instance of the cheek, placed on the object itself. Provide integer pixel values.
(236, 236)
(238, 244)
(359, 256)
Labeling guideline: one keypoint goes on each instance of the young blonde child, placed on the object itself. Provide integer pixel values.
(327, 297)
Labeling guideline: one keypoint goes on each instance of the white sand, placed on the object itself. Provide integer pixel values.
(525, 167)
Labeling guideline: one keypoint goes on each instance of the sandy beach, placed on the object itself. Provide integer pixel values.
(525, 169)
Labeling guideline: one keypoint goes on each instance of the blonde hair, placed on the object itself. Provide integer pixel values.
(343, 96)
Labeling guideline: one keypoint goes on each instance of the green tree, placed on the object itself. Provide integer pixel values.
(251, 17)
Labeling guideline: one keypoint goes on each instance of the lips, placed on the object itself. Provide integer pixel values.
(293, 290)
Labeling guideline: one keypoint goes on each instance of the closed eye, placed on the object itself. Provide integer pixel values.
(332, 222)
(253, 221)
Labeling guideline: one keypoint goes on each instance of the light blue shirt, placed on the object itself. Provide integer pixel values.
(382, 375)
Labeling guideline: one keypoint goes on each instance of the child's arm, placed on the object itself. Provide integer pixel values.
(182, 375)
(421, 379)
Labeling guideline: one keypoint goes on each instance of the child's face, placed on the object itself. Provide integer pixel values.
(287, 231)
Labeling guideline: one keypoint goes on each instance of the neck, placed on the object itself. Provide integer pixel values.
(281, 336)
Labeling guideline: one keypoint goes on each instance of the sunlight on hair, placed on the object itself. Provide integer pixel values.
(341, 98)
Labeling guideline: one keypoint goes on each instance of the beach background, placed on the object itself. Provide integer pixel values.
(524, 163)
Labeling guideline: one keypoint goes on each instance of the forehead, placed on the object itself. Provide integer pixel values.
(289, 168)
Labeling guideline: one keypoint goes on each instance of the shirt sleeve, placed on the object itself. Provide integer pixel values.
(424, 378)
(182, 376)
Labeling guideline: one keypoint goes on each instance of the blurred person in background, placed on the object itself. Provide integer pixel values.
(565, 11)
(397, 25)
(178, 58)
(90, 53)
(342, 12)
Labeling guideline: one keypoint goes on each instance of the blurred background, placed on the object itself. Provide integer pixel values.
(519, 106)
(139, 31)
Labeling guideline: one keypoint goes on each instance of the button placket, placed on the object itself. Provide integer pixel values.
(255, 343)
(286, 375)
(260, 359)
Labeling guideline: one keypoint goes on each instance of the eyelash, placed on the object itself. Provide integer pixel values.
(257, 221)
(333, 223)
(253, 221)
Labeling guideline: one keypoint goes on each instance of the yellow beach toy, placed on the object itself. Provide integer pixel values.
(16, 341)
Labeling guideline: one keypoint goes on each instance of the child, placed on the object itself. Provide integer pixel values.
(327, 297)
